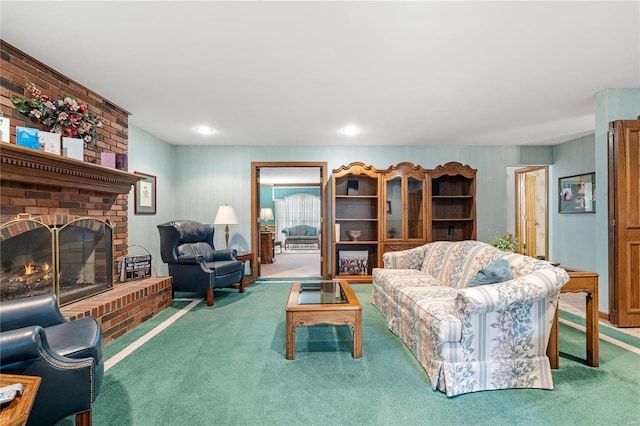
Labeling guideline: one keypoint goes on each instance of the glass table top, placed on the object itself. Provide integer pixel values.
(321, 292)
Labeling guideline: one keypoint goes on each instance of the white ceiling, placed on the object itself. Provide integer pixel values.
(294, 73)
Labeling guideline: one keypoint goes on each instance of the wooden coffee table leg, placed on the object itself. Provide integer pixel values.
(593, 349)
(357, 335)
(290, 337)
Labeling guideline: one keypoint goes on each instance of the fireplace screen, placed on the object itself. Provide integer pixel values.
(73, 260)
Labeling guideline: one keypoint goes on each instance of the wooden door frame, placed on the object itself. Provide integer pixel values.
(255, 206)
(518, 176)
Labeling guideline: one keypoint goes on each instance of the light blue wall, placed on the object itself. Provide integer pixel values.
(152, 156)
(571, 235)
(611, 105)
(194, 180)
(208, 176)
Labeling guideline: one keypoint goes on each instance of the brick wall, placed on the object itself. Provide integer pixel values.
(42, 200)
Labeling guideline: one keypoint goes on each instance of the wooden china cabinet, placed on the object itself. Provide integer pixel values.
(453, 203)
(404, 206)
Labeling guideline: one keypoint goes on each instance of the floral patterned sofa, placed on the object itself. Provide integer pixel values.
(486, 337)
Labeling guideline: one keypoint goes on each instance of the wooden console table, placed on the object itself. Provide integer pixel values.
(579, 281)
(244, 256)
(17, 412)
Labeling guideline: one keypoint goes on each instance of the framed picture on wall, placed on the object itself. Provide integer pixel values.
(145, 194)
(577, 194)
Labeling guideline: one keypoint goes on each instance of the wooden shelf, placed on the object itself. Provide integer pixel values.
(453, 219)
(449, 197)
(356, 242)
(355, 278)
(21, 164)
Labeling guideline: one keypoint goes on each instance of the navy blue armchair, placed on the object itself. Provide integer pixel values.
(37, 340)
(186, 246)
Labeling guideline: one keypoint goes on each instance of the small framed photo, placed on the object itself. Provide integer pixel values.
(577, 194)
(145, 194)
(388, 207)
(354, 262)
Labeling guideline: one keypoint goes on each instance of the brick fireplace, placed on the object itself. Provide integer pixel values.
(46, 186)
(43, 184)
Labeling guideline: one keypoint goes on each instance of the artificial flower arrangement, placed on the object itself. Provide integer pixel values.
(66, 116)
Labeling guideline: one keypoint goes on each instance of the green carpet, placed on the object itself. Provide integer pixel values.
(226, 366)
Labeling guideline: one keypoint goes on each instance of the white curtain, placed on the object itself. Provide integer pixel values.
(298, 209)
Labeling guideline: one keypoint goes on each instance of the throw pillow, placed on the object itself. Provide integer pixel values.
(311, 233)
(497, 272)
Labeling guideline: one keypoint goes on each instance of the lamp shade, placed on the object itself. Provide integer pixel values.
(226, 216)
(266, 214)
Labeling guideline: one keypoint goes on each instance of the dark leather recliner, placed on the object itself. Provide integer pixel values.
(37, 340)
(194, 263)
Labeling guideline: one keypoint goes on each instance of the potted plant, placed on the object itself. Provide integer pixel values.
(506, 242)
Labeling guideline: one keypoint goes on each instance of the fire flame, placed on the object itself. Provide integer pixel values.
(29, 269)
(32, 269)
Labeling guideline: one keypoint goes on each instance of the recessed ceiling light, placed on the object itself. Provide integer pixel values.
(205, 130)
(350, 130)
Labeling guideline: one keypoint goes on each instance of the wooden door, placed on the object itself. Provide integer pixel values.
(531, 208)
(624, 223)
(530, 215)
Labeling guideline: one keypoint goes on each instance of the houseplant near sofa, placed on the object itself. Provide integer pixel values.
(506, 242)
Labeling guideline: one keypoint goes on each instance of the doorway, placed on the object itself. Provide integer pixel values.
(531, 208)
(279, 187)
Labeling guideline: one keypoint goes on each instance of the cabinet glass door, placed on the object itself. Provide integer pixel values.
(394, 208)
(415, 212)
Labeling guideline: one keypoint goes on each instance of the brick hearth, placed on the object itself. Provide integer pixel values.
(124, 307)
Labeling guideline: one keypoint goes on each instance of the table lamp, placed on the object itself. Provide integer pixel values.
(226, 216)
(266, 214)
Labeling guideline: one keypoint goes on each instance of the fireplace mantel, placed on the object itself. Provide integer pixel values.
(21, 164)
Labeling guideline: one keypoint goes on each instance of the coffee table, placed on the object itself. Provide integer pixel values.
(323, 302)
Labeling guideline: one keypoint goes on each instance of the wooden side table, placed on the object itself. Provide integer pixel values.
(17, 411)
(248, 256)
(579, 281)
(267, 247)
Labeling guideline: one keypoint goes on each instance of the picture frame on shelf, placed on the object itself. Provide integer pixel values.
(50, 142)
(27, 137)
(145, 194)
(577, 193)
(73, 148)
(353, 262)
(5, 128)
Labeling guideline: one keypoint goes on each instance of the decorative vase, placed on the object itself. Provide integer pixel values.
(354, 234)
